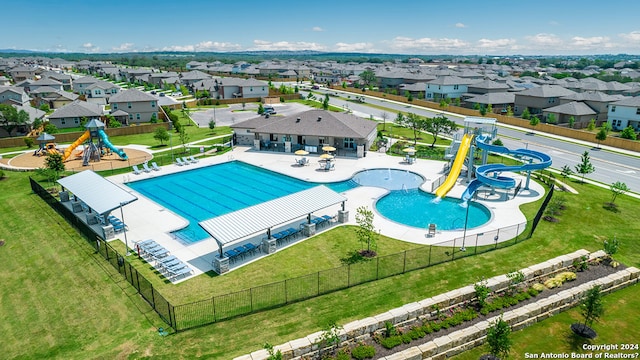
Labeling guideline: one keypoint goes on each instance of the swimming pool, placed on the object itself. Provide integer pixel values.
(207, 192)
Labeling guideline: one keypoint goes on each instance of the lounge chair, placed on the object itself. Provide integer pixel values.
(432, 230)
(192, 159)
(136, 170)
(186, 161)
(179, 162)
(155, 166)
(303, 162)
(146, 168)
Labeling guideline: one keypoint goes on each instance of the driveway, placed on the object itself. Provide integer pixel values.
(235, 114)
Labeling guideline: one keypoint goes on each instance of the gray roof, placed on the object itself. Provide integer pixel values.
(577, 108)
(494, 98)
(547, 91)
(46, 82)
(77, 109)
(331, 124)
(592, 96)
(131, 95)
(195, 75)
(85, 80)
(97, 192)
(228, 228)
(489, 84)
(631, 101)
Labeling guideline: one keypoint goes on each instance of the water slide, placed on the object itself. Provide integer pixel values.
(489, 174)
(107, 143)
(75, 144)
(443, 189)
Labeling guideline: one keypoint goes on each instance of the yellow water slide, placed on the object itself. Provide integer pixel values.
(443, 189)
(75, 144)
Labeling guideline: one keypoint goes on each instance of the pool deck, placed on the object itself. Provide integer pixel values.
(148, 220)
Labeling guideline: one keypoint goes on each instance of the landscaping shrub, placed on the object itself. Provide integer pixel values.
(567, 276)
(363, 352)
(390, 342)
(538, 287)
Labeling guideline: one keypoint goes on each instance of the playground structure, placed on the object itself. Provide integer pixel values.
(95, 140)
(47, 146)
(478, 134)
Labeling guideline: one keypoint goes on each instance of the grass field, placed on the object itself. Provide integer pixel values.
(61, 301)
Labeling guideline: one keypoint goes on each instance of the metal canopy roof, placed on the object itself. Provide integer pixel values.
(97, 192)
(233, 226)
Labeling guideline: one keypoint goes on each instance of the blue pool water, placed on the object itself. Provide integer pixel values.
(207, 192)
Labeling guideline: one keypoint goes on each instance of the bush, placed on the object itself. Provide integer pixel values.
(567, 276)
(29, 142)
(538, 287)
(2, 174)
(363, 352)
(391, 342)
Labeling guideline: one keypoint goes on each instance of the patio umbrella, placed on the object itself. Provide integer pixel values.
(326, 156)
(328, 148)
(301, 152)
(409, 150)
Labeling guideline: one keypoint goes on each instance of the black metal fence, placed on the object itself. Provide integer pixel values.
(117, 260)
(222, 307)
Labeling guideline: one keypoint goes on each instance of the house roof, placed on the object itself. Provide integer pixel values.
(85, 80)
(195, 75)
(576, 108)
(450, 80)
(494, 98)
(97, 192)
(595, 96)
(77, 109)
(547, 91)
(131, 95)
(312, 122)
(630, 101)
(489, 84)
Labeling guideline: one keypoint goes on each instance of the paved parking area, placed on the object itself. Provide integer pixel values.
(235, 113)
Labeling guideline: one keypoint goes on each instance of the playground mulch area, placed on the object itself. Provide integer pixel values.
(107, 162)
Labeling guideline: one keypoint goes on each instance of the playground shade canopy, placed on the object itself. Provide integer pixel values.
(98, 193)
(228, 228)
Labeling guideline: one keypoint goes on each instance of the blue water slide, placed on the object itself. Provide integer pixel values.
(490, 174)
(107, 143)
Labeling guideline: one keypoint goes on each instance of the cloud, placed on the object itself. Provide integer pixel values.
(89, 47)
(204, 46)
(355, 47)
(496, 44)
(595, 42)
(317, 28)
(545, 40)
(124, 47)
(427, 45)
(460, 25)
(263, 45)
(632, 36)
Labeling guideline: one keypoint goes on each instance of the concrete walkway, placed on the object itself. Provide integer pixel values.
(148, 220)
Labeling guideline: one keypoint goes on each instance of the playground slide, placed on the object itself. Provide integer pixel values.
(75, 144)
(489, 174)
(443, 189)
(107, 143)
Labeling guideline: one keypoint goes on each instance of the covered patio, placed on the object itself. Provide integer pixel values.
(235, 232)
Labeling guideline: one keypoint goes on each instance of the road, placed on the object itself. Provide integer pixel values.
(610, 165)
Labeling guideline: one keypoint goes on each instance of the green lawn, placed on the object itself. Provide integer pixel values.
(64, 302)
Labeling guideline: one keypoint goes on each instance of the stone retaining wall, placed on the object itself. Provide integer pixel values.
(461, 340)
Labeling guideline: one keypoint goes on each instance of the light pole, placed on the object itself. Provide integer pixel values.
(466, 220)
(171, 144)
(124, 230)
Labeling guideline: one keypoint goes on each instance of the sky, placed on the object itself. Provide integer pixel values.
(412, 27)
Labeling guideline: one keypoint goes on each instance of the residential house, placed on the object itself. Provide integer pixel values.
(625, 112)
(4, 81)
(53, 98)
(231, 88)
(71, 115)
(140, 106)
(13, 95)
(444, 87)
(100, 92)
(580, 112)
(596, 100)
(80, 85)
(499, 101)
(65, 79)
(539, 98)
(45, 82)
(310, 130)
(193, 76)
(21, 73)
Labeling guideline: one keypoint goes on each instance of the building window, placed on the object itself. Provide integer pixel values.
(114, 106)
(637, 111)
(63, 121)
(129, 105)
(349, 143)
(455, 87)
(130, 117)
(153, 104)
(76, 121)
(613, 109)
(552, 100)
(321, 141)
(137, 116)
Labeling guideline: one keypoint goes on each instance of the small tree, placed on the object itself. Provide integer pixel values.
(439, 125)
(497, 142)
(572, 121)
(50, 128)
(161, 134)
(509, 111)
(482, 292)
(526, 114)
(489, 109)
(384, 115)
(585, 167)
(534, 121)
(628, 133)
(591, 310)
(483, 110)
(414, 122)
(611, 247)
(325, 102)
(566, 171)
(184, 138)
(329, 338)
(592, 125)
(498, 338)
(29, 142)
(618, 188)
(261, 108)
(601, 136)
(551, 118)
(212, 124)
(365, 231)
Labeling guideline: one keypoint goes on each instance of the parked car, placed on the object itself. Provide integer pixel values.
(315, 87)
(153, 92)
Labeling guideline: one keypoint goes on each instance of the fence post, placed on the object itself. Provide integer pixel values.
(318, 283)
(377, 268)
(213, 305)
(429, 261)
(404, 265)
(285, 291)
(349, 275)
(251, 298)
(475, 249)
